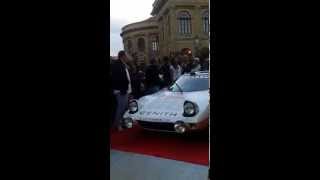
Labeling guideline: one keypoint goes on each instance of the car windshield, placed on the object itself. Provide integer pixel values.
(188, 83)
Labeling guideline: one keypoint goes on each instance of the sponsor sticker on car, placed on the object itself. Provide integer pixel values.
(150, 113)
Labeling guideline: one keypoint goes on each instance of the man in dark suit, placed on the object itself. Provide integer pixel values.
(153, 81)
(165, 71)
(120, 83)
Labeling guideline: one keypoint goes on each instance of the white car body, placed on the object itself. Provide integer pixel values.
(165, 108)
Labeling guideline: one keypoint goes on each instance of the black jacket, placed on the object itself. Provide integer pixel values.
(152, 76)
(119, 79)
(165, 70)
(188, 68)
(136, 81)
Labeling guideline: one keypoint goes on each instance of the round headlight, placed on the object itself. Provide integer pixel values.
(189, 109)
(180, 127)
(128, 123)
(133, 107)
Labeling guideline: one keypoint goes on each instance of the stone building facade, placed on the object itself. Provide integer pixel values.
(141, 40)
(175, 25)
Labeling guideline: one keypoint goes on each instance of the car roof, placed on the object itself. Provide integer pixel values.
(204, 74)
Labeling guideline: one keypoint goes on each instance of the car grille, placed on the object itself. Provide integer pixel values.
(157, 126)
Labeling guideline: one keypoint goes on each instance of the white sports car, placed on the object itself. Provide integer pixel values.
(184, 107)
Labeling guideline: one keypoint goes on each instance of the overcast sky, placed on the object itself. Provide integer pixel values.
(123, 12)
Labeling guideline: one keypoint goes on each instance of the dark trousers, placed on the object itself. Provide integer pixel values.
(122, 103)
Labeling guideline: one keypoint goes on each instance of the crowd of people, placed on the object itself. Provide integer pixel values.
(130, 80)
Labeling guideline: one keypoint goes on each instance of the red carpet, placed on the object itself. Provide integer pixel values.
(193, 149)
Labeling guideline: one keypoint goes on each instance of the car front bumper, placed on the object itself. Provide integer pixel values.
(179, 127)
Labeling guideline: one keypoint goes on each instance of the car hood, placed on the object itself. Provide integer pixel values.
(166, 106)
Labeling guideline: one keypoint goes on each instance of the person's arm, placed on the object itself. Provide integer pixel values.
(129, 82)
(161, 71)
(179, 71)
(114, 72)
(171, 74)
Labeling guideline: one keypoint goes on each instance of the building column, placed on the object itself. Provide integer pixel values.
(161, 41)
(174, 29)
(152, 38)
(197, 21)
(134, 44)
(147, 46)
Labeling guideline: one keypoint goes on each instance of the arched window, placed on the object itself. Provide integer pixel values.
(155, 44)
(141, 44)
(205, 22)
(184, 20)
